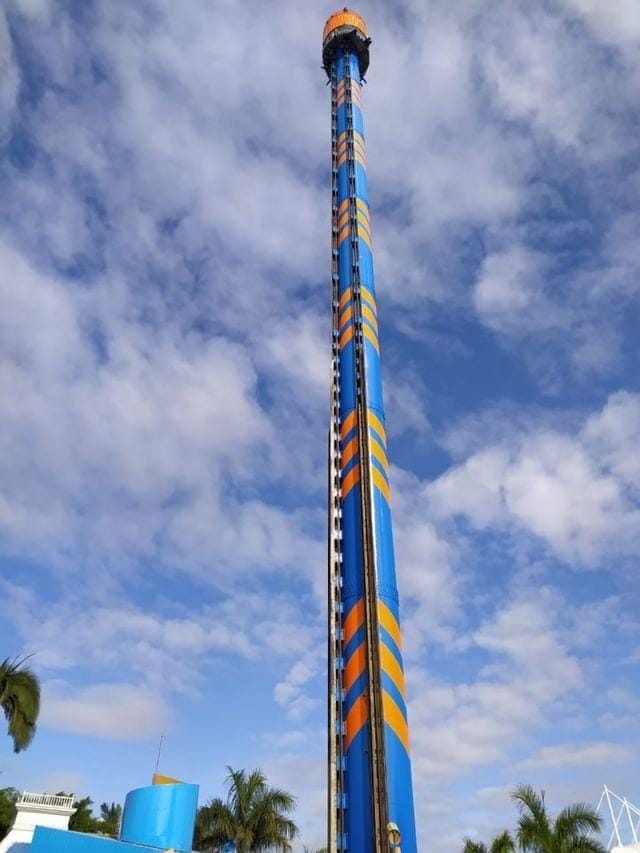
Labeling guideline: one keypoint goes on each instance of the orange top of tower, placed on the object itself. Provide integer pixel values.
(344, 18)
(346, 27)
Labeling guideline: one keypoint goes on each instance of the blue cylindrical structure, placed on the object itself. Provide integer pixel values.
(160, 816)
(370, 770)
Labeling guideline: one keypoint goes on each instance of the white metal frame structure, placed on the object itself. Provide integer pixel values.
(625, 819)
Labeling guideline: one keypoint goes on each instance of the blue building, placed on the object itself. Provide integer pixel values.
(159, 817)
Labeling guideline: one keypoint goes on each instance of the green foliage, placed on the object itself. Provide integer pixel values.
(8, 797)
(20, 701)
(110, 817)
(254, 817)
(83, 819)
(537, 832)
(570, 832)
(502, 844)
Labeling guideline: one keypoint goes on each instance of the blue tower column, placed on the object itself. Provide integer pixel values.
(369, 759)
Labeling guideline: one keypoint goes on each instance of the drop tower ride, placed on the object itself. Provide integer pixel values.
(370, 797)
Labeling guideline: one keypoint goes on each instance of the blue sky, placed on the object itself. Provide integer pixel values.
(164, 364)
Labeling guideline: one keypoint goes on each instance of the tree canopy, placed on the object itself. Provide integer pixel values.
(571, 831)
(254, 817)
(20, 701)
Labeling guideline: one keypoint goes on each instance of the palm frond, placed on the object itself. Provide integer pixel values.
(474, 846)
(20, 701)
(503, 844)
(576, 820)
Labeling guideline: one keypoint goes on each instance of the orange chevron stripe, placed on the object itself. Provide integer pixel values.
(348, 424)
(346, 316)
(341, 159)
(371, 317)
(344, 218)
(376, 424)
(352, 479)
(393, 669)
(394, 718)
(342, 236)
(352, 622)
(388, 622)
(355, 667)
(348, 453)
(379, 481)
(356, 718)
(371, 337)
(378, 451)
(345, 337)
(346, 296)
(343, 204)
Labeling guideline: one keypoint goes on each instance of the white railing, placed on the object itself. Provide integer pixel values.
(48, 800)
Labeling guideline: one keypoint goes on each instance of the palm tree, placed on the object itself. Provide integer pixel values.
(570, 832)
(20, 701)
(501, 844)
(110, 816)
(254, 816)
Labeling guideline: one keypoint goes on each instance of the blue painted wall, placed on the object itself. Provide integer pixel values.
(47, 840)
(160, 816)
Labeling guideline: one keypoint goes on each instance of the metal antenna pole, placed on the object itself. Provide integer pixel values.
(159, 751)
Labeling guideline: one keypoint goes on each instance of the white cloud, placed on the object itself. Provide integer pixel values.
(456, 727)
(112, 710)
(9, 77)
(509, 292)
(562, 756)
(618, 20)
(568, 490)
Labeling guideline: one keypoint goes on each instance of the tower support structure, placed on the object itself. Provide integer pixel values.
(370, 796)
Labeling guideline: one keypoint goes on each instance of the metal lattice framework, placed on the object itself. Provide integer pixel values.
(625, 819)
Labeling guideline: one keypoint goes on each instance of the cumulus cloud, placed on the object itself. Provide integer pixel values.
(600, 754)
(563, 488)
(163, 247)
(111, 710)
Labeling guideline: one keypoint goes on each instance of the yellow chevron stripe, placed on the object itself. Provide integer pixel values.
(364, 236)
(379, 481)
(366, 294)
(376, 424)
(378, 451)
(388, 622)
(390, 665)
(371, 336)
(394, 718)
(371, 317)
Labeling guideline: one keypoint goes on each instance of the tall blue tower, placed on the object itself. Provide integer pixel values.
(370, 802)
